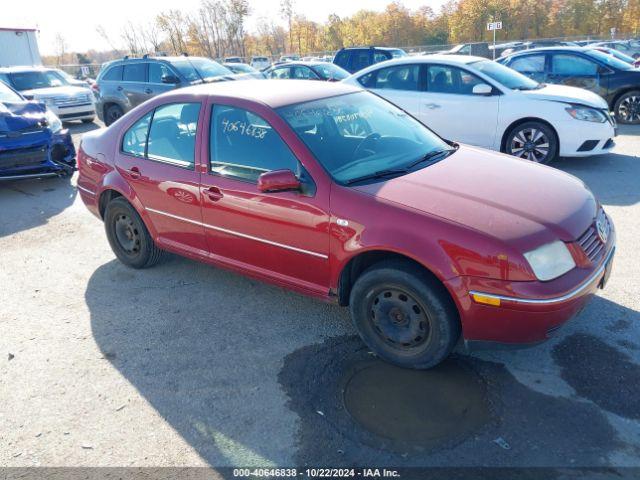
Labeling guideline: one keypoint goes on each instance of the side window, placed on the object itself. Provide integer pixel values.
(244, 146)
(134, 141)
(280, 73)
(359, 59)
(172, 136)
(528, 64)
(158, 70)
(401, 77)
(304, 73)
(380, 57)
(114, 74)
(134, 72)
(446, 79)
(572, 65)
(342, 58)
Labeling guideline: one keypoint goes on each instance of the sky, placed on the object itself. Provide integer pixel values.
(77, 20)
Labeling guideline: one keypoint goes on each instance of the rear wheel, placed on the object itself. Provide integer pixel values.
(404, 315)
(533, 141)
(112, 113)
(128, 236)
(627, 108)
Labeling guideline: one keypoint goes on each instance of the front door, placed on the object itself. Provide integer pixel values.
(283, 236)
(157, 157)
(452, 110)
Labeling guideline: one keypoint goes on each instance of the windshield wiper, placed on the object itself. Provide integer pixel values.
(429, 156)
(375, 175)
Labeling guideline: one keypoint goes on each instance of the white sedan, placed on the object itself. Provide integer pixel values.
(479, 102)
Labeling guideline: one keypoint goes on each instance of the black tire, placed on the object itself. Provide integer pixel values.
(534, 141)
(392, 326)
(112, 113)
(128, 236)
(88, 120)
(627, 108)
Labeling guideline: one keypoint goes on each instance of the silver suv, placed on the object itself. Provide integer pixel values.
(124, 84)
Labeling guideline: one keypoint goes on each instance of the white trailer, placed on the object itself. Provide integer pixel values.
(19, 46)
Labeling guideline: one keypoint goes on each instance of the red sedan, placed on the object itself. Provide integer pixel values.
(336, 193)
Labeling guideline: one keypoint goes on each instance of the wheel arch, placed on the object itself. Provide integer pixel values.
(360, 262)
(515, 123)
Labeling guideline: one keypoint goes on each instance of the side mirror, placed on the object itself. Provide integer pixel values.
(482, 89)
(278, 181)
(172, 79)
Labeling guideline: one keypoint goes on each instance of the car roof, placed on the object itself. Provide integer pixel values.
(303, 63)
(551, 49)
(373, 47)
(25, 68)
(431, 58)
(273, 93)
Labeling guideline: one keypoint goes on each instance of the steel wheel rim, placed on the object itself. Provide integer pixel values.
(530, 144)
(398, 319)
(127, 234)
(629, 109)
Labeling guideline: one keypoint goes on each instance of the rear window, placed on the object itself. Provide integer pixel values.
(134, 72)
(113, 74)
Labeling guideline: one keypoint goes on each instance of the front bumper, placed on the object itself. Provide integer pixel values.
(84, 111)
(530, 312)
(581, 139)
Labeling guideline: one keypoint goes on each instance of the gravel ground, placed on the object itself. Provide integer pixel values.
(188, 365)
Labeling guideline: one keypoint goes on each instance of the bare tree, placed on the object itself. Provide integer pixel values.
(100, 30)
(287, 12)
(60, 47)
(132, 37)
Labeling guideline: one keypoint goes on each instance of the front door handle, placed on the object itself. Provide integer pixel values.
(134, 172)
(148, 90)
(119, 88)
(213, 193)
(432, 106)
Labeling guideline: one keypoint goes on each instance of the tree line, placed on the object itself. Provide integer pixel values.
(219, 27)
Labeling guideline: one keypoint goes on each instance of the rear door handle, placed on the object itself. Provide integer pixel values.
(432, 106)
(213, 193)
(119, 88)
(134, 172)
(148, 90)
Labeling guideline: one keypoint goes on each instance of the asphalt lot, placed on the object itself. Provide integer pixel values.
(189, 365)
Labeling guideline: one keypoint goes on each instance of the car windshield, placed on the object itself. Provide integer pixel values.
(505, 76)
(197, 69)
(8, 96)
(360, 137)
(609, 61)
(329, 71)
(618, 55)
(37, 79)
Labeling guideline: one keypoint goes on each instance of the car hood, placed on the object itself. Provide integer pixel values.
(15, 117)
(501, 196)
(563, 93)
(55, 92)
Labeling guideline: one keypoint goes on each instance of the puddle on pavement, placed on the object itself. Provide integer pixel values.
(411, 408)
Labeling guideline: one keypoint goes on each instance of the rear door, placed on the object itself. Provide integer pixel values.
(134, 83)
(575, 70)
(533, 66)
(360, 59)
(402, 85)
(451, 109)
(157, 156)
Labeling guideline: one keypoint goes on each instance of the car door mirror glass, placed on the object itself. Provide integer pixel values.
(171, 79)
(482, 89)
(278, 181)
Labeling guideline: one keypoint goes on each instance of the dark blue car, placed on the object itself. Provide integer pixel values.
(32, 141)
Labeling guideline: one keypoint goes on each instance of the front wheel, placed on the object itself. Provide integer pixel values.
(403, 315)
(128, 236)
(533, 141)
(627, 108)
(112, 113)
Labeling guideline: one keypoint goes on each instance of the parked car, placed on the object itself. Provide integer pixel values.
(32, 141)
(478, 49)
(480, 102)
(290, 58)
(260, 63)
(243, 69)
(307, 71)
(123, 84)
(332, 191)
(48, 85)
(616, 81)
(627, 47)
(620, 56)
(353, 59)
(234, 60)
(537, 44)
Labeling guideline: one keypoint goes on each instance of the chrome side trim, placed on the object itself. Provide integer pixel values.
(546, 301)
(86, 190)
(238, 234)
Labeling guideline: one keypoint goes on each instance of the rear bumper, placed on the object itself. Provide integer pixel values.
(522, 320)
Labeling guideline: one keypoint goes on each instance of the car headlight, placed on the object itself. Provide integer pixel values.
(587, 114)
(54, 122)
(550, 261)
